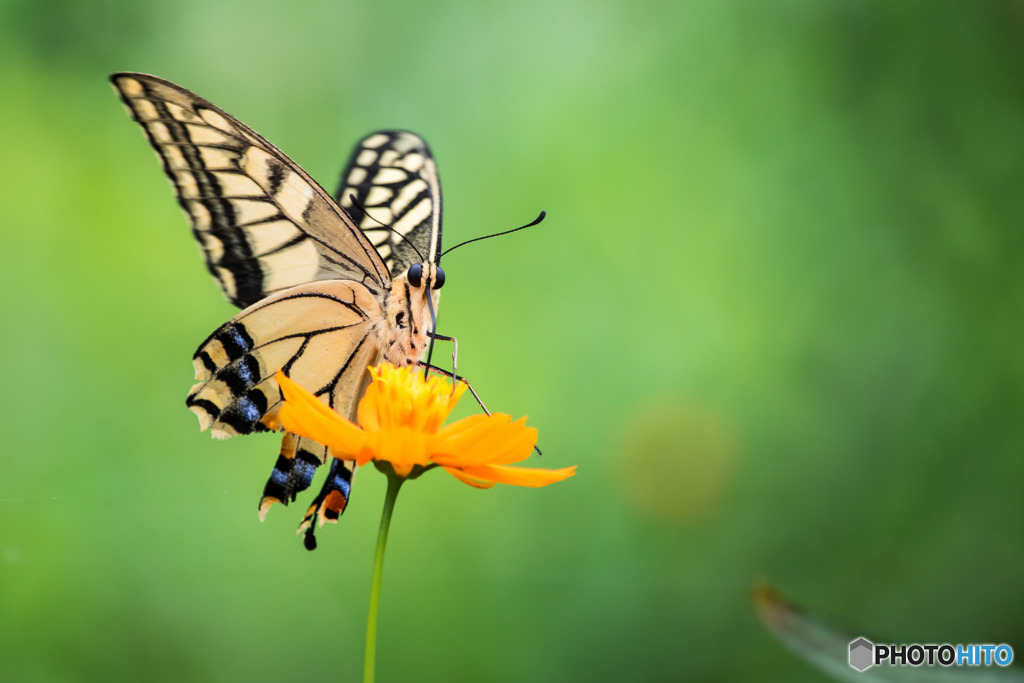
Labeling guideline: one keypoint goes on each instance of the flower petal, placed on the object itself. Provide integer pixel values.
(518, 476)
(368, 411)
(402, 446)
(466, 479)
(483, 439)
(449, 399)
(304, 414)
(300, 396)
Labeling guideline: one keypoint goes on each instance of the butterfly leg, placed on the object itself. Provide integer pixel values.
(457, 378)
(455, 361)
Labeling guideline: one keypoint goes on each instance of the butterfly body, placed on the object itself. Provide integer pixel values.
(322, 296)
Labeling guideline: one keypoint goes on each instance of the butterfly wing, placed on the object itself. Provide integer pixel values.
(263, 224)
(317, 333)
(392, 175)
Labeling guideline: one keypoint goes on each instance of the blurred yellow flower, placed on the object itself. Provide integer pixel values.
(401, 416)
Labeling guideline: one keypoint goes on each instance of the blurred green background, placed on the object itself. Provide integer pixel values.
(775, 315)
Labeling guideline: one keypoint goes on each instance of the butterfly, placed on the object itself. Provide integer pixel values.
(322, 297)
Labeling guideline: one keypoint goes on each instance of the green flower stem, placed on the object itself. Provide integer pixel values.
(394, 483)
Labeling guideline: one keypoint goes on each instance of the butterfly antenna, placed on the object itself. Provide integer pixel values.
(366, 213)
(535, 221)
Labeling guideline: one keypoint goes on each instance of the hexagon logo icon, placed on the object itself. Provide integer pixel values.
(862, 653)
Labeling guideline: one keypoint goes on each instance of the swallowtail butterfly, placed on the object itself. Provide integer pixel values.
(322, 297)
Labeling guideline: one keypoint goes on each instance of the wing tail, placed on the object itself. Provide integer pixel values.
(293, 472)
(330, 503)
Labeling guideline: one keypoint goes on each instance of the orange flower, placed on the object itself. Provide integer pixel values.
(401, 416)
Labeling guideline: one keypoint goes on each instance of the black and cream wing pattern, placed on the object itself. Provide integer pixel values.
(391, 186)
(263, 224)
(312, 284)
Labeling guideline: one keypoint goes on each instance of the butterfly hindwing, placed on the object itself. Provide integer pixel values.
(316, 333)
(392, 175)
(263, 224)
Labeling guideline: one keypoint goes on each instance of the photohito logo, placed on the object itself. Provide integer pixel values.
(864, 654)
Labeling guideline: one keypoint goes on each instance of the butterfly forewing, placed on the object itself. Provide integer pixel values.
(392, 175)
(263, 224)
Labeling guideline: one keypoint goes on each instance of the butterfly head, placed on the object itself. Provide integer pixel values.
(410, 313)
(434, 276)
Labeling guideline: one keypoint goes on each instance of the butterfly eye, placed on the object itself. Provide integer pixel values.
(439, 282)
(416, 275)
